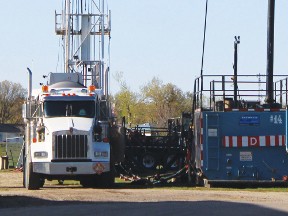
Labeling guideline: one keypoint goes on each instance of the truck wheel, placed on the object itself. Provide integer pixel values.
(85, 183)
(32, 180)
(106, 180)
(178, 161)
(42, 182)
(88, 182)
(23, 167)
(148, 161)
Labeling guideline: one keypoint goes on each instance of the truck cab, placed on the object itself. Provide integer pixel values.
(67, 135)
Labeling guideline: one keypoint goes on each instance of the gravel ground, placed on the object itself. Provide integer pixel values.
(75, 200)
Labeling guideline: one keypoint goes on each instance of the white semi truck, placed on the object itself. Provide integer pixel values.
(69, 132)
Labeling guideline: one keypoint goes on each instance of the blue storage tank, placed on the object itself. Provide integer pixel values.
(243, 139)
(239, 145)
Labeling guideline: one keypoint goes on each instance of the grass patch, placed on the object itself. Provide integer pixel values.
(66, 182)
(7, 170)
(74, 182)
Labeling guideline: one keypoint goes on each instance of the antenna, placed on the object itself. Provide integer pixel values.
(203, 50)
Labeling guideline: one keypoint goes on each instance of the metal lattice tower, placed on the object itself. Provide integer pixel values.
(83, 26)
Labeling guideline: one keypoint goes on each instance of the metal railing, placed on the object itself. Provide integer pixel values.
(220, 92)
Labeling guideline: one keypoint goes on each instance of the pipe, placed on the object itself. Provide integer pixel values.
(235, 66)
(29, 84)
(270, 52)
(26, 156)
(102, 47)
(106, 78)
(67, 36)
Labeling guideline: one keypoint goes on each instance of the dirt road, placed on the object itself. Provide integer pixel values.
(75, 200)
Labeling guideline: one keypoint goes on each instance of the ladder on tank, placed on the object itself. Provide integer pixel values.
(212, 142)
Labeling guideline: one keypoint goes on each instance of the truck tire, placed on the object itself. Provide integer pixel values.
(42, 182)
(32, 180)
(106, 180)
(89, 181)
(176, 165)
(148, 161)
(23, 166)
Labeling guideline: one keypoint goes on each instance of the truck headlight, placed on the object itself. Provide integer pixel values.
(41, 154)
(98, 154)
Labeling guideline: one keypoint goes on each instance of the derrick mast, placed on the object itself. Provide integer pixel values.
(84, 27)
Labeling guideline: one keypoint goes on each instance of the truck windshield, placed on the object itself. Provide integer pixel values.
(69, 108)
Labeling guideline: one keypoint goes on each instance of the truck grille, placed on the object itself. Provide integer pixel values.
(70, 146)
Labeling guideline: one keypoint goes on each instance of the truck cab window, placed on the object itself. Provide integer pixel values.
(69, 108)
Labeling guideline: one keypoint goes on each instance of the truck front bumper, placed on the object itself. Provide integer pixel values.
(71, 168)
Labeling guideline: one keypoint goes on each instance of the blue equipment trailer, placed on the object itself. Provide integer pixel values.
(242, 140)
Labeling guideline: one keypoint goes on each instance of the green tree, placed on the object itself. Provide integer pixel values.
(12, 96)
(125, 104)
(164, 101)
(125, 101)
(156, 102)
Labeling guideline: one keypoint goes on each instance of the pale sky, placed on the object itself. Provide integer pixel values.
(150, 38)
